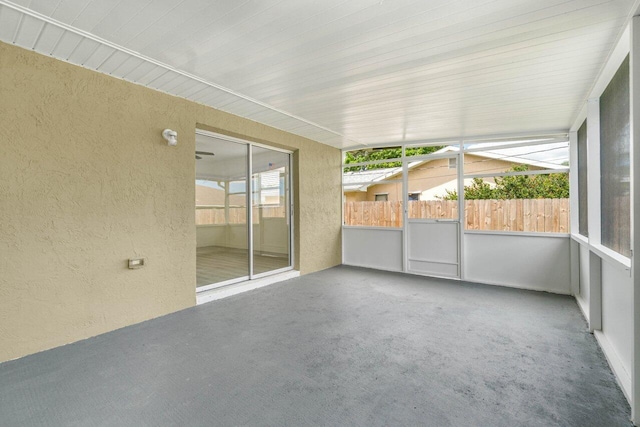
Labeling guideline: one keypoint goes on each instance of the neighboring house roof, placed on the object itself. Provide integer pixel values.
(517, 155)
(440, 190)
(361, 180)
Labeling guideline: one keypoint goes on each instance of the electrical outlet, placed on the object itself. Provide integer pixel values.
(136, 263)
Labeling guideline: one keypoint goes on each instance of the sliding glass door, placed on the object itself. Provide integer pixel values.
(271, 224)
(228, 250)
(221, 211)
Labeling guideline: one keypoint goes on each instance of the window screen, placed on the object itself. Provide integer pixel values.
(615, 163)
(528, 193)
(372, 188)
(583, 210)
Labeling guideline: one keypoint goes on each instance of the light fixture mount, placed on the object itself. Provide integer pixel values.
(171, 136)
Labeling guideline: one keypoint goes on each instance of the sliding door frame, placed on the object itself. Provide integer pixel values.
(249, 202)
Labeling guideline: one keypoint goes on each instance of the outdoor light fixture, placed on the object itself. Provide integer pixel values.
(171, 136)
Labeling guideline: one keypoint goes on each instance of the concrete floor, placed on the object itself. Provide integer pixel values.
(345, 346)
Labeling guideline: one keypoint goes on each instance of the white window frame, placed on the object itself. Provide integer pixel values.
(591, 113)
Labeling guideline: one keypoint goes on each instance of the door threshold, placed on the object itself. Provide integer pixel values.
(248, 285)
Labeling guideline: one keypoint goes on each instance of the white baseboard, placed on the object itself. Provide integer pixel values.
(622, 376)
(514, 286)
(374, 267)
(584, 307)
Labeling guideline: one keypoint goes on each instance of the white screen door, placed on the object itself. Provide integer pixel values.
(432, 230)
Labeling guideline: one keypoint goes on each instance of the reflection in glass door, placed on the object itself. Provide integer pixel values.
(226, 202)
(222, 253)
(270, 195)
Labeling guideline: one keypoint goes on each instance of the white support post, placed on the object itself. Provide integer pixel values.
(573, 183)
(249, 189)
(593, 186)
(635, 213)
(342, 201)
(405, 210)
(593, 177)
(461, 212)
(575, 216)
(227, 200)
(290, 217)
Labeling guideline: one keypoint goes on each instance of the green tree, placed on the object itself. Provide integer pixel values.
(551, 186)
(478, 189)
(369, 155)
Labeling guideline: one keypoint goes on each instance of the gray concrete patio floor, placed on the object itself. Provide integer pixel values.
(345, 346)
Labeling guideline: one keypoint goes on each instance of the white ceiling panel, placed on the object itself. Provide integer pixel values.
(83, 51)
(48, 37)
(328, 30)
(242, 108)
(353, 57)
(182, 85)
(9, 23)
(165, 80)
(139, 71)
(28, 32)
(128, 66)
(157, 14)
(202, 14)
(89, 17)
(218, 98)
(66, 45)
(122, 15)
(196, 90)
(46, 7)
(114, 62)
(153, 75)
(344, 72)
(204, 95)
(69, 10)
(99, 56)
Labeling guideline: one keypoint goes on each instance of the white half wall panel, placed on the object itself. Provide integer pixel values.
(433, 248)
(538, 262)
(379, 248)
(616, 337)
(211, 235)
(583, 296)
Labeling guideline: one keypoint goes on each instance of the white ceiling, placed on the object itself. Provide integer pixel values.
(344, 72)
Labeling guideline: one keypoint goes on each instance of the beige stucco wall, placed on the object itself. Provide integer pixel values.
(86, 182)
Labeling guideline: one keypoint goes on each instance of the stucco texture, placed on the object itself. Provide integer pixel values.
(86, 182)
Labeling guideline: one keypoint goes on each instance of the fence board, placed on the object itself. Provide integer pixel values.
(237, 215)
(527, 215)
(563, 222)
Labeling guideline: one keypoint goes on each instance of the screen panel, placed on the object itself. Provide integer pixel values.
(583, 209)
(615, 202)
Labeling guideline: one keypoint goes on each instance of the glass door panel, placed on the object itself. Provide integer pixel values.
(222, 253)
(270, 201)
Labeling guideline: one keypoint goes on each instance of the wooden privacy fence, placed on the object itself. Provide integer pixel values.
(237, 215)
(528, 215)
